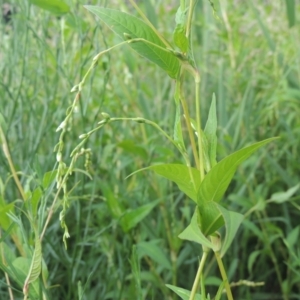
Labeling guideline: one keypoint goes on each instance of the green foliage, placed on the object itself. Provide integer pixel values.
(130, 28)
(182, 293)
(187, 178)
(194, 234)
(210, 133)
(232, 222)
(179, 37)
(57, 7)
(154, 251)
(133, 217)
(254, 78)
(218, 178)
(35, 267)
(291, 12)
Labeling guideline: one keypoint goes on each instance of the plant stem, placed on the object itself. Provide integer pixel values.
(199, 273)
(182, 5)
(198, 120)
(202, 288)
(190, 16)
(11, 296)
(224, 275)
(189, 127)
(11, 165)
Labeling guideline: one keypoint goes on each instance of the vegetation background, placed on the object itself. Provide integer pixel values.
(248, 53)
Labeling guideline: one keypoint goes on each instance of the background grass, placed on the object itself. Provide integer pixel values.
(248, 54)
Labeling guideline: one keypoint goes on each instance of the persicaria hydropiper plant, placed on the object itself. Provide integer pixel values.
(201, 178)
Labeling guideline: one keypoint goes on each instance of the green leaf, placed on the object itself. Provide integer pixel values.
(154, 251)
(57, 7)
(291, 12)
(35, 266)
(205, 146)
(292, 238)
(178, 138)
(3, 126)
(154, 50)
(210, 132)
(150, 12)
(183, 293)
(220, 291)
(8, 256)
(131, 147)
(252, 258)
(34, 200)
(179, 38)
(5, 221)
(45, 273)
(232, 221)
(114, 205)
(218, 178)
(19, 270)
(254, 229)
(132, 218)
(136, 273)
(281, 197)
(187, 178)
(206, 158)
(210, 217)
(48, 178)
(76, 23)
(194, 234)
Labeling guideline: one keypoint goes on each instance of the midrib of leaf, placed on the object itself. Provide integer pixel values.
(228, 174)
(153, 39)
(212, 224)
(222, 164)
(168, 62)
(36, 263)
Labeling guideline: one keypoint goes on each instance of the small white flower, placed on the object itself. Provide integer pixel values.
(105, 115)
(61, 126)
(74, 88)
(58, 156)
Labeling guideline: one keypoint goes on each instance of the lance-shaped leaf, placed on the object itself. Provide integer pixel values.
(134, 217)
(210, 217)
(178, 138)
(155, 252)
(183, 293)
(36, 264)
(194, 234)
(57, 7)
(187, 178)
(179, 38)
(218, 178)
(18, 270)
(232, 221)
(281, 197)
(129, 27)
(210, 131)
